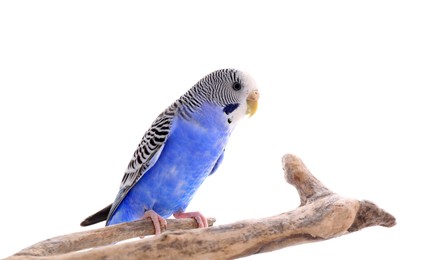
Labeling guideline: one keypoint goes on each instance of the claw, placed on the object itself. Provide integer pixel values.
(201, 220)
(158, 220)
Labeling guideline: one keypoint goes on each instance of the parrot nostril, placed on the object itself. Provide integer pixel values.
(254, 95)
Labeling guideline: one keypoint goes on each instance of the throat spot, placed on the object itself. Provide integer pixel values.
(230, 108)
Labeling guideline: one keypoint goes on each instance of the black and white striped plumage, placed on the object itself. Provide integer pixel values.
(231, 91)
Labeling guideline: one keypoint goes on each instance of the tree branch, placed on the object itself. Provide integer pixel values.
(322, 215)
(102, 236)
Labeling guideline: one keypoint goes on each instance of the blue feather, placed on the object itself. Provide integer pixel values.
(190, 154)
(218, 162)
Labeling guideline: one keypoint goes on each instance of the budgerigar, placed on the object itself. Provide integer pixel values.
(184, 145)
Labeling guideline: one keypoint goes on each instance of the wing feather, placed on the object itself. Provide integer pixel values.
(146, 155)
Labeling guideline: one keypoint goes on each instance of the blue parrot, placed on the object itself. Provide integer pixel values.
(184, 145)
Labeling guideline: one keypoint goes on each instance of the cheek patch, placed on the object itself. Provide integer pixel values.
(230, 108)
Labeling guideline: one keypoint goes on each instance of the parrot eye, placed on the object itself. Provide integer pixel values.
(236, 86)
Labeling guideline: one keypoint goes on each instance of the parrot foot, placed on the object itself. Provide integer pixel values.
(201, 220)
(158, 220)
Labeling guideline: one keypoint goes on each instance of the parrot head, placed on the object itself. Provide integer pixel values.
(233, 90)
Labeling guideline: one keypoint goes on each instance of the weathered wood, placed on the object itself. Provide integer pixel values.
(103, 236)
(322, 215)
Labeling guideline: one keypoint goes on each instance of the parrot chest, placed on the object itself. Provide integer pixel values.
(189, 155)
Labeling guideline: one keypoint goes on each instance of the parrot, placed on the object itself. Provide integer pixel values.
(184, 145)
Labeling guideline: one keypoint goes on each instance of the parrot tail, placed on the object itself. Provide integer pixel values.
(97, 217)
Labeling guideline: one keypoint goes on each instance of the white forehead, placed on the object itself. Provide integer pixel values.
(247, 80)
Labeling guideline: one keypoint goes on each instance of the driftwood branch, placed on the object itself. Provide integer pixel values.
(59, 246)
(322, 215)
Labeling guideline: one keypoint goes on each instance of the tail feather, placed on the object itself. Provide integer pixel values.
(97, 217)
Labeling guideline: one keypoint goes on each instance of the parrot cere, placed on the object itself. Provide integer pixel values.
(183, 146)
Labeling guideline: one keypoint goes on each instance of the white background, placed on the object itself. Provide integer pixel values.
(340, 84)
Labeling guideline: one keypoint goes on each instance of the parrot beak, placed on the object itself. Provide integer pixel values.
(252, 102)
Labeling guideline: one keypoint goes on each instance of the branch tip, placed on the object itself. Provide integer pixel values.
(296, 173)
(369, 214)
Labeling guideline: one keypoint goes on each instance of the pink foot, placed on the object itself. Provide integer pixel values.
(158, 221)
(201, 220)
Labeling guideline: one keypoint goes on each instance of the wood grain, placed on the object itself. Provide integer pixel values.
(322, 215)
